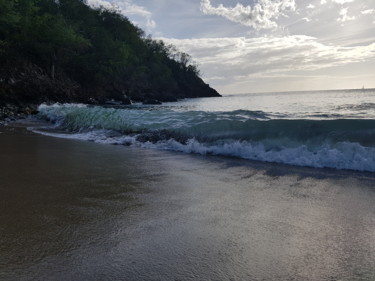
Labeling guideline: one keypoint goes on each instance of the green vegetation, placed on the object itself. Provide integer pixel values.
(63, 50)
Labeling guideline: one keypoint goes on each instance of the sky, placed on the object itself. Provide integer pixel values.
(265, 45)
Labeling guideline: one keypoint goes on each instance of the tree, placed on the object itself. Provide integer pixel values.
(99, 49)
(9, 19)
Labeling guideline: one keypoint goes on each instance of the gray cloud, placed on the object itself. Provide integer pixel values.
(368, 12)
(262, 15)
(100, 4)
(344, 17)
(296, 52)
(290, 45)
(240, 59)
(342, 1)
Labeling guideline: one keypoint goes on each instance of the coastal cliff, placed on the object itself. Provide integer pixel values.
(66, 51)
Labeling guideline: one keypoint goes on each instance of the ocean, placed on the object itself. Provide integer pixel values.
(276, 186)
(320, 129)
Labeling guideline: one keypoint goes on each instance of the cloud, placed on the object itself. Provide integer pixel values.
(101, 4)
(342, 1)
(262, 15)
(127, 8)
(368, 12)
(246, 57)
(344, 16)
(242, 64)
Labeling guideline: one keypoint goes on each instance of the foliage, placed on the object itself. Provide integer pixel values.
(97, 48)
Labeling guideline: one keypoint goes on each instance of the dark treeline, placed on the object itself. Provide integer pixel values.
(63, 50)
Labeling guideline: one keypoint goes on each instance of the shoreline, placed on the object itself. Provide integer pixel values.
(21, 127)
(11, 112)
(80, 210)
(23, 123)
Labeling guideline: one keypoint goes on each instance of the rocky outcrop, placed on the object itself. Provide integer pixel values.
(24, 86)
(12, 112)
(27, 84)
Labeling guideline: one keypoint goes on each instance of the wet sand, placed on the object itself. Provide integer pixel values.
(75, 210)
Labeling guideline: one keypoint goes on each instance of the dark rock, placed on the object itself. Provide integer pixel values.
(11, 112)
(29, 84)
(167, 98)
(24, 85)
(125, 100)
(112, 102)
(92, 101)
(151, 101)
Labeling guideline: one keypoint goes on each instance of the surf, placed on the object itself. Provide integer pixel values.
(253, 135)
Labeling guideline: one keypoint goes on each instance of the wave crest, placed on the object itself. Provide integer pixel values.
(340, 144)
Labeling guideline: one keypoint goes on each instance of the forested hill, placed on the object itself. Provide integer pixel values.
(66, 51)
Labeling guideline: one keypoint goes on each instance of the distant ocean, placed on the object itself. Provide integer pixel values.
(321, 129)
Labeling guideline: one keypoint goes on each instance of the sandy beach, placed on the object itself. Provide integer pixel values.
(187, 140)
(76, 210)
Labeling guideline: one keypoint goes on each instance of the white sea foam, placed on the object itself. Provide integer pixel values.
(343, 155)
(340, 144)
(350, 156)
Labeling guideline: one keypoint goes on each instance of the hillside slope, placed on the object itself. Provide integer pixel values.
(66, 51)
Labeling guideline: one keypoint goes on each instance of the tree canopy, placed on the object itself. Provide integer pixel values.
(100, 49)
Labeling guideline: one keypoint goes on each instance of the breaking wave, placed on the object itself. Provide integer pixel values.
(255, 135)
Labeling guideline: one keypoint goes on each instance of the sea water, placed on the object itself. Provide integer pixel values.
(321, 129)
(80, 210)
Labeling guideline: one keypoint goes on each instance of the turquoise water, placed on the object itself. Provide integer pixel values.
(323, 129)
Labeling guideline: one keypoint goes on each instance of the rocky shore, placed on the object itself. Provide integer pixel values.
(10, 112)
(24, 87)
